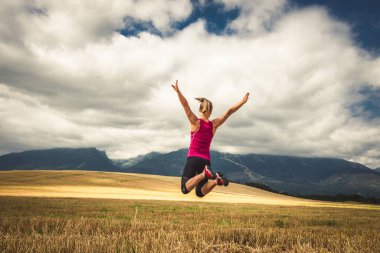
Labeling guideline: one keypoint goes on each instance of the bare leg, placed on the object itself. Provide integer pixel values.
(206, 188)
(192, 182)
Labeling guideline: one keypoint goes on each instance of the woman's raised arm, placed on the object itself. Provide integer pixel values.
(190, 115)
(219, 121)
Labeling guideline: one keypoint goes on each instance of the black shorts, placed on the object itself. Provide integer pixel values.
(194, 166)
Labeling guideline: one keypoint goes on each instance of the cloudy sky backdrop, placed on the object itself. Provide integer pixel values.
(98, 73)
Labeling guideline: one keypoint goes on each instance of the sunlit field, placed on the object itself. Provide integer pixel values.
(105, 225)
(106, 185)
(79, 211)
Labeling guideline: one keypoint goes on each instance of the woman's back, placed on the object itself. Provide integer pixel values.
(201, 140)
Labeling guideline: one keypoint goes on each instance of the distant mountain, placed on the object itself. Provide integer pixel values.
(377, 169)
(58, 159)
(127, 163)
(295, 175)
(170, 164)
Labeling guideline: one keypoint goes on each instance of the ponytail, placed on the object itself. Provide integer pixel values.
(205, 106)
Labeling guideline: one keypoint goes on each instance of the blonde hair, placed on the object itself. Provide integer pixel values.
(205, 106)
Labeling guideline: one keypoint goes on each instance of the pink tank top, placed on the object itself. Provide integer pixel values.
(201, 140)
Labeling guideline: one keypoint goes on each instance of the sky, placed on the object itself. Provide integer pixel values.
(99, 73)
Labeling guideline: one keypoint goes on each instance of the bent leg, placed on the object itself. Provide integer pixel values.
(208, 187)
(183, 185)
(192, 182)
(204, 187)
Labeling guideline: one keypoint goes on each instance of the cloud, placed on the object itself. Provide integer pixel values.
(74, 80)
(256, 17)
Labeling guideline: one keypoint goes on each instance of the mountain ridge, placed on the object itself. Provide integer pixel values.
(57, 159)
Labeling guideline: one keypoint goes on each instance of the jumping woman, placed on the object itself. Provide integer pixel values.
(197, 171)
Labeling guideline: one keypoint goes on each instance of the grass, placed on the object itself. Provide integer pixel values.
(107, 225)
(80, 211)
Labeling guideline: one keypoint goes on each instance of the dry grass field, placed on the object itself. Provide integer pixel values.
(32, 219)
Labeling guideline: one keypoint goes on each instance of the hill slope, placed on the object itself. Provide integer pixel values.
(111, 185)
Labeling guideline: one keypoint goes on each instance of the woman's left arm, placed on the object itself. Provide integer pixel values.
(219, 121)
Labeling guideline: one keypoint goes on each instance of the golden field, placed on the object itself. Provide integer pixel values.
(109, 185)
(79, 211)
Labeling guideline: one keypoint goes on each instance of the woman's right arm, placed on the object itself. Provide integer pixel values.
(190, 115)
(219, 121)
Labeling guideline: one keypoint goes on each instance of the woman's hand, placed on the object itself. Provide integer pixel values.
(175, 87)
(245, 98)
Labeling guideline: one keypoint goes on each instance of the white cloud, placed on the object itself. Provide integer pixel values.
(256, 17)
(73, 80)
(162, 13)
(27, 122)
(72, 23)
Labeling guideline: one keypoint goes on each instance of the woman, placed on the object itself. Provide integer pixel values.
(197, 170)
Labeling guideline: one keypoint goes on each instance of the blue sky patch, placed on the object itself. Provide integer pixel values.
(369, 107)
(134, 27)
(215, 15)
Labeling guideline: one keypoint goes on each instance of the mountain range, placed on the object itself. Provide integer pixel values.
(294, 175)
(58, 159)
